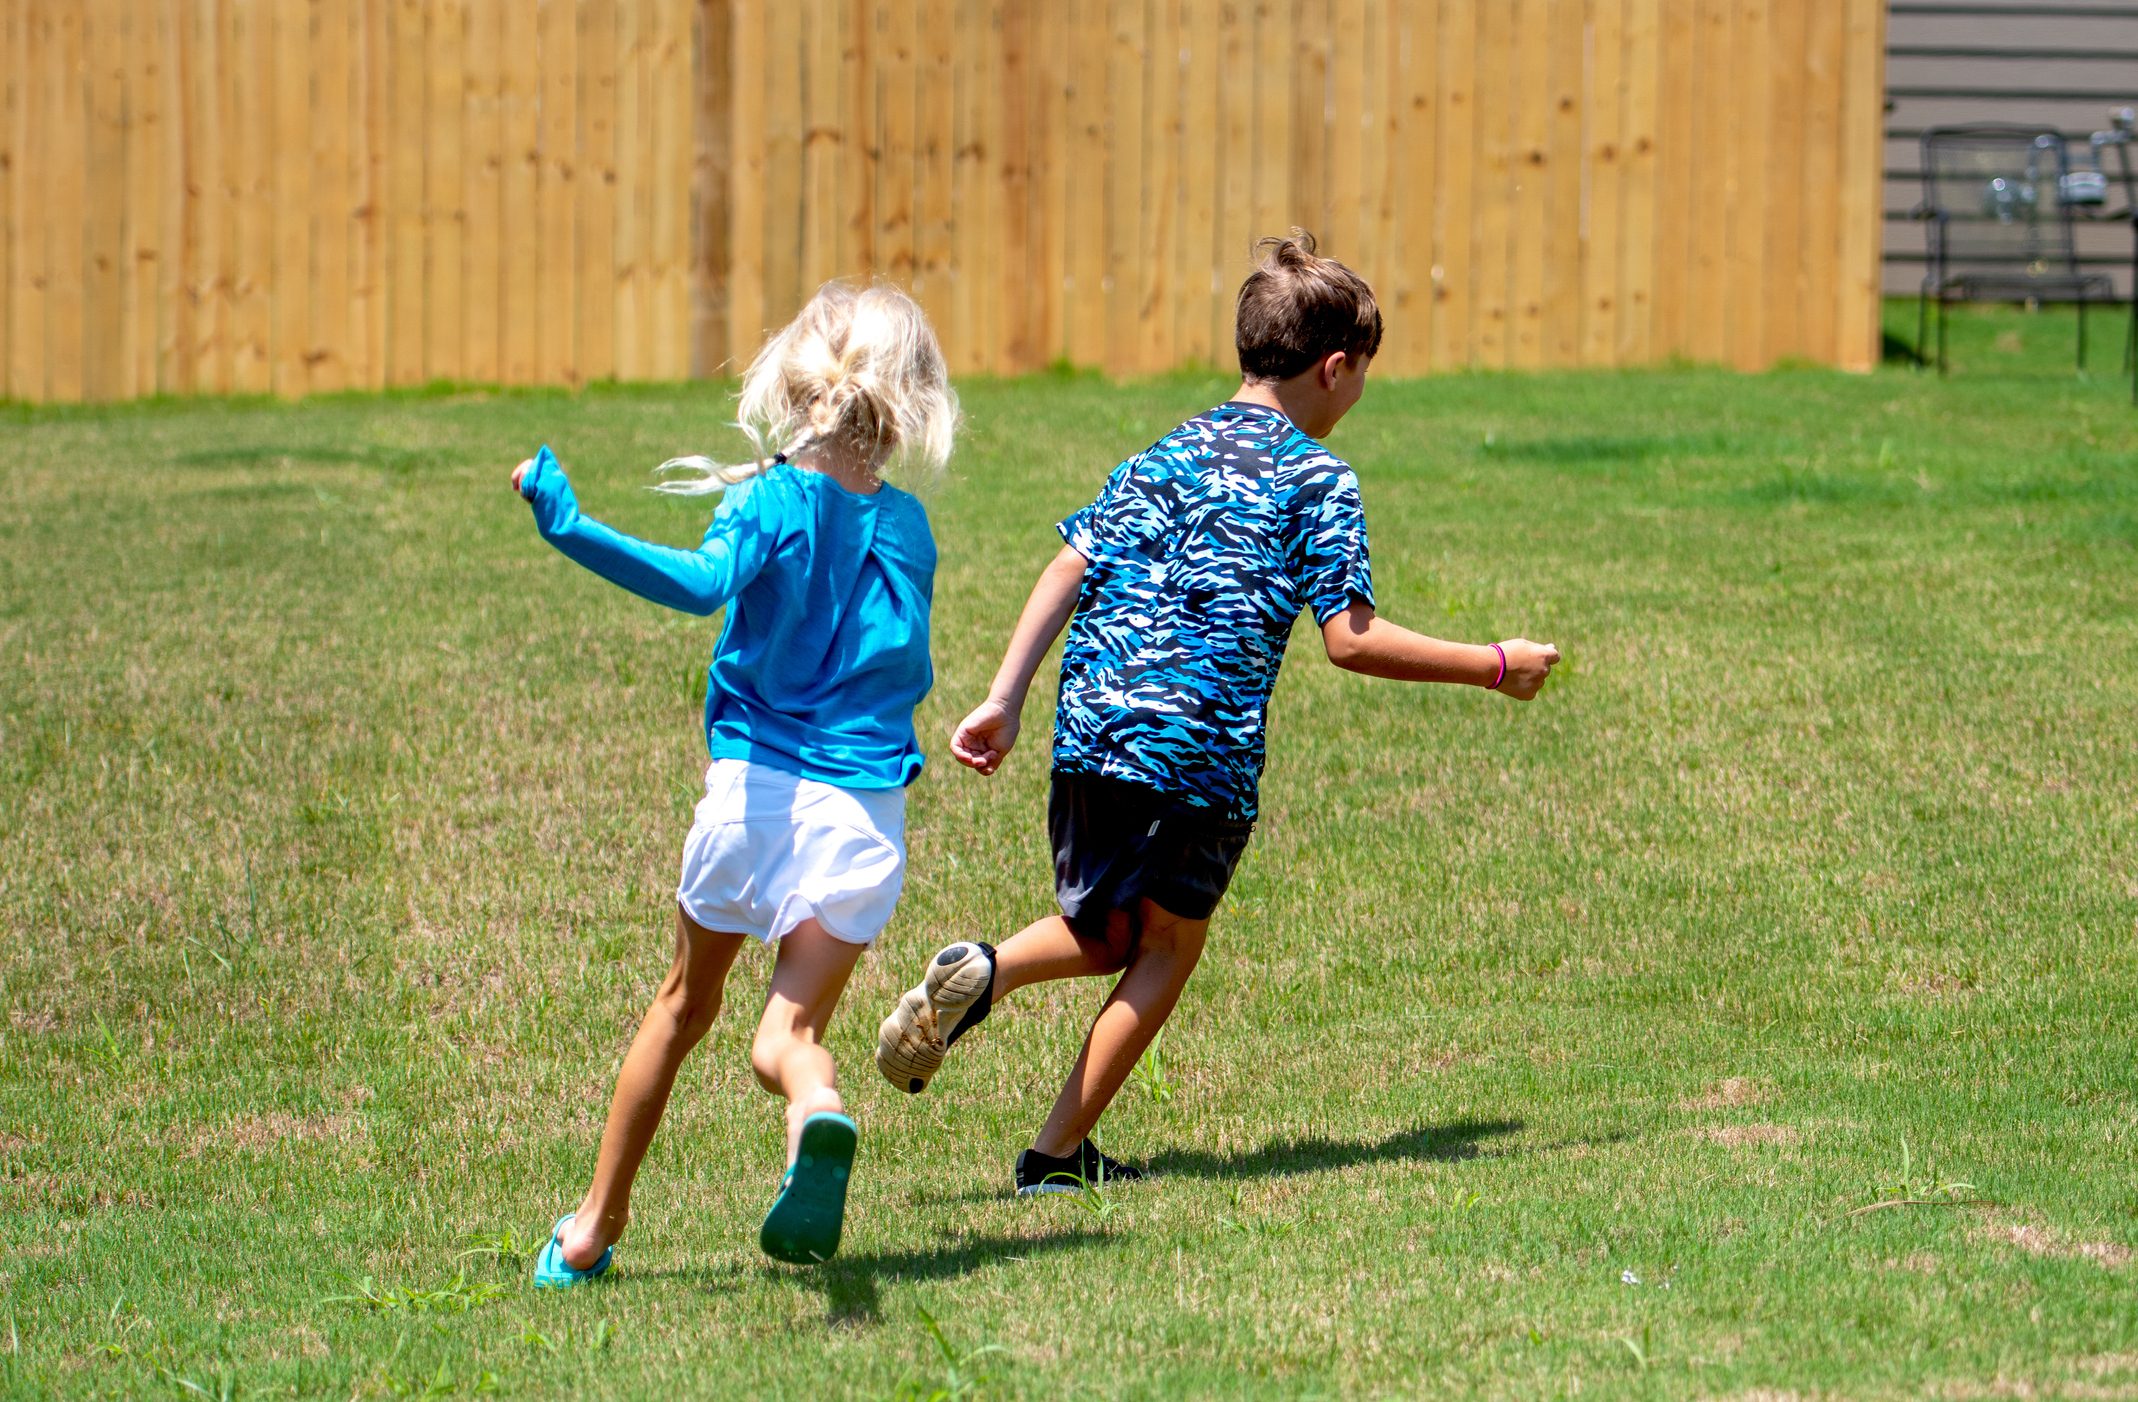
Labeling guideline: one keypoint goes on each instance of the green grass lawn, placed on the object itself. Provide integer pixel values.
(1538, 1050)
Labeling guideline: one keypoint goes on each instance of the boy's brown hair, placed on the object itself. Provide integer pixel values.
(1297, 307)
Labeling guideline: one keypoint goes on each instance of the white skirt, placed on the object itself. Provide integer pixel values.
(770, 849)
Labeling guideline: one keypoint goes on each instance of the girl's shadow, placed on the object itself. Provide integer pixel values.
(849, 1281)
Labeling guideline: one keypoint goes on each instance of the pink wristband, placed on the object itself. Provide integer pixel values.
(1503, 668)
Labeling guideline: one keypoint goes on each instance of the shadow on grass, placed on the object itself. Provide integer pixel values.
(1281, 1158)
(849, 1282)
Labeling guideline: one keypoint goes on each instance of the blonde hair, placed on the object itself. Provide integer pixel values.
(858, 366)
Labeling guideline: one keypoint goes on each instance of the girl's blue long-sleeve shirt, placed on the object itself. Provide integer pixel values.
(824, 653)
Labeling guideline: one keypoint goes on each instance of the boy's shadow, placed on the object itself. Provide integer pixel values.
(1448, 1143)
(849, 1281)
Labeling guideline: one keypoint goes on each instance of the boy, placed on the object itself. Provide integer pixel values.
(1184, 579)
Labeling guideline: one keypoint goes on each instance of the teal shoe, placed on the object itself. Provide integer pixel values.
(803, 1226)
(550, 1271)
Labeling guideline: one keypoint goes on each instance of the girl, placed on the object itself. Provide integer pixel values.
(826, 572)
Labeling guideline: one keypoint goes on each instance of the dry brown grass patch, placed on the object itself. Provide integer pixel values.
(2044, 1241)
(1727, 1095)
(1737, 1136)
(255, 1133)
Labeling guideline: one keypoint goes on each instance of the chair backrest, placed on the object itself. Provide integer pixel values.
(1997, 191)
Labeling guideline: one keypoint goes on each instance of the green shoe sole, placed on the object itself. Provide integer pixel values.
(803, 1226)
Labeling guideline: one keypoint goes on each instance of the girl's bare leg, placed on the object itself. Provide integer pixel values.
(788, 1053)
(1139, 1005)
(684, 1008)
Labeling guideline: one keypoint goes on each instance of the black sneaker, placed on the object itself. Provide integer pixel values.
(1071, 1173)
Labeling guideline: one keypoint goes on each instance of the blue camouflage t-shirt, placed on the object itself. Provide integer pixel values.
(1203, 550)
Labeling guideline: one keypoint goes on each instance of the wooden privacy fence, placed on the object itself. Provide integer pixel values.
(300, 195)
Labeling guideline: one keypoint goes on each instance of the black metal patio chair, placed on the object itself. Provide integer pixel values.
(1999, 227)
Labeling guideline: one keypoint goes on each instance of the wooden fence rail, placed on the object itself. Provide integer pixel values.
(306, 195)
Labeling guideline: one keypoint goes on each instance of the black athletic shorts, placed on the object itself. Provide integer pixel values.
(1116, 843)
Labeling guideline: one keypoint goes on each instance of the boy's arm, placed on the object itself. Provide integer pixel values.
(1358, 641)
(692, 581)
(983, 739)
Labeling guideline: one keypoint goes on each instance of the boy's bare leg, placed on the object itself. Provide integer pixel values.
(1125, 1027)
(688, 1000)
(1049, 949)
(788, 1054)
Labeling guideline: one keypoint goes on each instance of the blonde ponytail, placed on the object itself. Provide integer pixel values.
(860, 367)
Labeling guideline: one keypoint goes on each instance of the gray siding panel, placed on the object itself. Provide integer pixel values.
(2071, 93)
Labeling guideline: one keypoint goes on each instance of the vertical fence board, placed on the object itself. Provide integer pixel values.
(1123, 191)
(556, 313)
(746, 207)
(445, 209)
(1602, 296)
(1637, 154)
(783, 159)
(1084, 111)
(821, 131)
(367, 275)
(1236, 219)
(405, 233)
(519, 194)
(1013, 290)
(1492, 194)
(1533, 161)
(1414, 175)
(1198, 178)
(12, 64)
(970, 199)
(1857, 326)
(711, 152)
(897, 171)
(145, 57)
(106, 345)
(1711, 181)
(1580, 226)
(482, 171)
(1453, 270)
(671, 206)
(1784, 157)
(1746, 315)
(1818, 268)
(1270, 154)
(1677, 48)
(253, 139)
(935, 112)
(328, 349)
(289, 280)
(1153, 269)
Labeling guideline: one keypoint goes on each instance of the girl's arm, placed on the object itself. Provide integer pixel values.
(694, 581)
(983, 739)
(1357, 641)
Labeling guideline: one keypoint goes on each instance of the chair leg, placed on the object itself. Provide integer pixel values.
(1941, 336)
(1922, 327)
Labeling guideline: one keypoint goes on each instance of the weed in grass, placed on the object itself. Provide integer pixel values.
(507, 1247)
(960, 1378)
(441, 1382)
(1090, 1194)
(456, 1296)
(1908, 1188)
(224, 1390)
(1150, 1073)
(1642, 1349)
